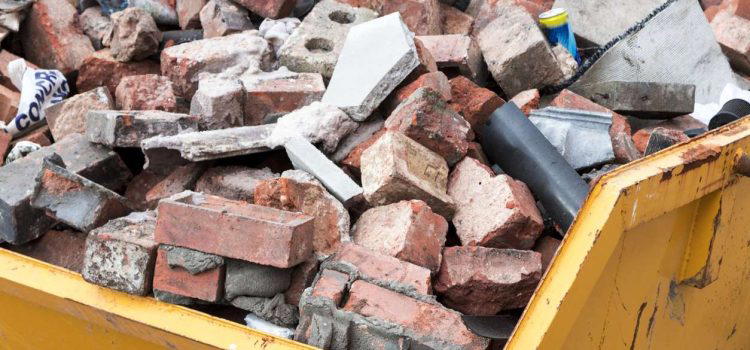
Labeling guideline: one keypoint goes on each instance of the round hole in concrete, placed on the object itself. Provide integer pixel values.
(319, 45)
(342, 17)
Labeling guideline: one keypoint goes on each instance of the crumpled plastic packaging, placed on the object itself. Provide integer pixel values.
(704, 112)
(20, 150)
(262, 325)
(40, 88)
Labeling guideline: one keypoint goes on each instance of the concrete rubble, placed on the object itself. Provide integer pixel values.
(340, 175)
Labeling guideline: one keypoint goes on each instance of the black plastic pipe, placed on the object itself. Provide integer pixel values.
(730, 111)
(511, 141)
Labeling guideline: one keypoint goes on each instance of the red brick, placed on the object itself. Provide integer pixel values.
(233, 182)
(476, 152)
(407, 230)
(743, 8)
(372, 265)
(352, 161)
(207, 285)
(435, 80)
(425, 320)
(676, 125)
(9, 100)
(146, 92)
(60, 248)
(69, 116)
(642, 137)
(52, 37)
(5, 139)
(269, 8)
(188, 13)
(456, 51)
(421, 16)
(101, 69)
(302, 277)
(180, 179)
(40, 136)
(473, 102)
(332, 285)
(426, 118)
(140, 185)
(455, 21)
(492, 211)
(331, 220)
(547, 247)
(235, 229)
(427, 62)
(527, 100)
(485, 281)
(269, 98)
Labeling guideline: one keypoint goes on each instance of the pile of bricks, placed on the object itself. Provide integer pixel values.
(323, 172)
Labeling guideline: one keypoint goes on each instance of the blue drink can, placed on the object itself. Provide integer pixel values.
(558, 30)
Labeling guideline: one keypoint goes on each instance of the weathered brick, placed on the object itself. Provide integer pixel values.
(426, 322)
(433, 80)
(69, 116)
(188, 13)
(458, 52)
(60, 248)
(74, 200)
(268, 96)
(224, 17)
(207, 285)
(239, 230)
(473, 102)
(732, 33)
(227, 56)
(96, 26)
(146, 92)
(527, 100)
(427, 63)
(254, 280)
(331, 219)
(485, 281)
(121, 254)
(101, 69)
(421, 16)
(301, 278)
(374, 266)
(134, 35)
(352, 162)
(20, 222)
(52, 37)
(492, 211)
(233, 182)
(9, 100)
(178, 180)
(407, 230)
(522, 59)
(219, 103)
(455, 21)
(40, 135)
(269, 8)
(315, 46)
(485, 11)
(362, 133)
(5, 139)
(426, 118)
(332, 285)
(475, 151)
(129, 128)
(676, 127)
(397, 168)
(547, 247)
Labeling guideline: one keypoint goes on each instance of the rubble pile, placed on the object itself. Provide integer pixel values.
(327, 167)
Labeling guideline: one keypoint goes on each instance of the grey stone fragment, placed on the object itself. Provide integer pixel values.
(121, 254)
(650, 100)
(273, 310)
(222, 17)
(317, 43)
(233, 182)
(206, 145)
(305, 156)
(598, 22)
(96, 26)
(21, 149)
(134, 35)
(367, 71)
(319, 123)
(582, 137)
(219, 103)
(249, 279)
(518, 55)
(19, 222)
(74, 200)
(193, 261)
(129, 128)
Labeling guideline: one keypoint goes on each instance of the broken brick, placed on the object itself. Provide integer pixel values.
(352, 162)
(5, 139)
(527, 101)
(130, 128)
(332, 285)
(407, 230)
(473, 102)
(233, 182)
(219, 104)
(271, 95)
(9, 100)
(40, 135)
(134, 35)
(101, 69)
(455, 21)
(475, 151)
(421, 16)
(492, 211)
(426, 118)
(188, 13)
(427, 63)
(457, 51)
(241, 230)
(69, 116)
(121, 254)
(301, 278)
(397, 168)
(547, 247)
(146, 92)
(436, 81)
(96, 26)
(485, 281)
(269, 8)
(224, 17)
(60, 248)
(178, 180)
(207, 285)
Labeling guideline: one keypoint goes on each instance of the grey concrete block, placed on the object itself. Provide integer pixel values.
(367, 70)
(582, 137)
(129, 128)
(598, 22)
(650, 100)
(317, 43)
